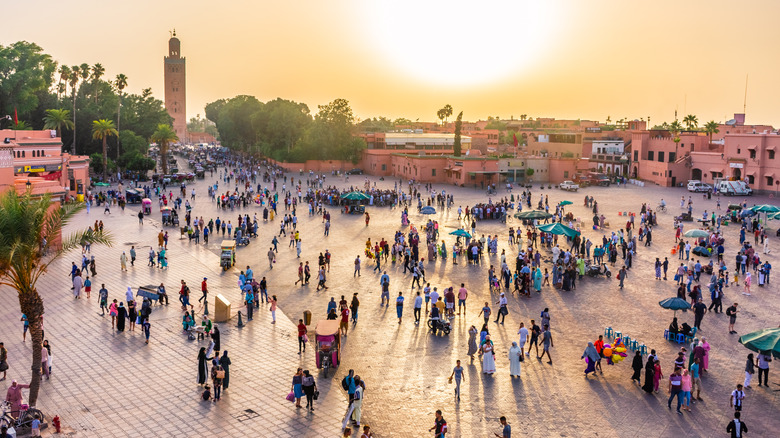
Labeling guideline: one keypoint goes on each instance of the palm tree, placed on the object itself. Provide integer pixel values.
(101, 130)
(120, 84)
(447, 111)
(97, 73)
(691, 121)
(674, 129)
(64, 76)
(710, 128)
(73, 80)
(27, 224)
(56, 119)
(164, 136)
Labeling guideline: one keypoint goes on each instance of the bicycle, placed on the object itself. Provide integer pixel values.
(661, 208)
(25, 419)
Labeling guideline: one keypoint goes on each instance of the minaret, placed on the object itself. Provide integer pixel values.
(175, 87)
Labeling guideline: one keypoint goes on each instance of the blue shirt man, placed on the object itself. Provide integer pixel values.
(249, 274)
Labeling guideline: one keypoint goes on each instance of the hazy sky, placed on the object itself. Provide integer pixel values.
(407, 58)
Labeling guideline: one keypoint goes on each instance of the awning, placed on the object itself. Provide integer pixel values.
(448, 168)
(751, 147)
(716, 170)
(750, 172)
(457, 168)
(483, 171)
(770, 148)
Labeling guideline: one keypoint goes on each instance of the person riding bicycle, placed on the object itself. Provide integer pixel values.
(663, 203)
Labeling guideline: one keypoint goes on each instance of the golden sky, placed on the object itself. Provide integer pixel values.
(407, 58)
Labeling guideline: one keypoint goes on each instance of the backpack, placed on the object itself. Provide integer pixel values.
(344, 384)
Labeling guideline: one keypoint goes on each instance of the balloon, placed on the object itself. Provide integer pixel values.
(607, 346)
(607, 352)
(620, 349)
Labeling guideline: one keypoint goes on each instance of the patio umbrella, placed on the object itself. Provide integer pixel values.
(675, 304)
(767, 340)
(356, 196)
(563, 203)
(428, 210)
(746, 213)
(765, 208)
(461, 233)
(533, 214)
(774, 216)
(558, 228)
(696, 233)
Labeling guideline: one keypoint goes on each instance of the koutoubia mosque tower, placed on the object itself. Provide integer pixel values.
(175, 87)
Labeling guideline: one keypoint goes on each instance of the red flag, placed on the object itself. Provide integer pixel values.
(16, 118)
(514, 137)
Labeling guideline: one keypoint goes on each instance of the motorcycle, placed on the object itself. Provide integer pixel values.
(596, 270)
(439, 325)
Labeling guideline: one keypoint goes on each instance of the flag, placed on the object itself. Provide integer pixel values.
(514, 138)
(16, 118)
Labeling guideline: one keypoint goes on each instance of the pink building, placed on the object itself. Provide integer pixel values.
(38, 154)
(750, 157)
(657, 158)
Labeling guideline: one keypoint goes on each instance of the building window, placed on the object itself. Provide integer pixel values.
(672, 157)
(751, 179)
(384, 167)
(636, 155)
(433, 172)
(650, 156)
(660, 156)
(22, 154)
(739, 151)
(565, 173)
(752, 154)
(771, 155)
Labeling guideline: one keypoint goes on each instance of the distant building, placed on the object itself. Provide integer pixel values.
(175, 87)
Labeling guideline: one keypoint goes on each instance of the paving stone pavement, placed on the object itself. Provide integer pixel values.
(112, 384)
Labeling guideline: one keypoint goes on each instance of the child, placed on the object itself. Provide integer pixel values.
(87, 286)
(736, 278)
(35, 426)
(206, 396)
(546, 278)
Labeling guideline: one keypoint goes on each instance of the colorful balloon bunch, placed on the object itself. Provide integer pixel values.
(615, 353)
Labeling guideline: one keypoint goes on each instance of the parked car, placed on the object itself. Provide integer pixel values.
(355, 171)
(570, 186)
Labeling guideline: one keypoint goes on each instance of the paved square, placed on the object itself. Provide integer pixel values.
(107, 383)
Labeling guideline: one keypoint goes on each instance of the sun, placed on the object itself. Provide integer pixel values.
(459, 42)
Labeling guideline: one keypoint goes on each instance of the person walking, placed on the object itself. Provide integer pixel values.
(737, 397)
(417, 307)
(399, 306)
(506, 429)
(132, 256)
(547, 343)
(123, 261)
(204, 289)
(762, 362)
(217, 374)
(357, 400)
(273, 309)
(440, 427)
(462, 295)
(736, 427)
(591, 355)
(302, 336)
(3, 361)
(457, 373)
(103, 298)
(749, 370)
(147, 328)
(225, 362)
(675, 389)
(309, 388)
(636, 365)
(699, 309)
(472, 342)
(503, 311)
(515, 357)
(731, 312)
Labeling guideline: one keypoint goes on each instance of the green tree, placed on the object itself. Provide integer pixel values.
(402, 121)
(164, 136)
(710, 128)
(23, 126)
(133, 143)
(56, 119)
(27, 225)
(691, 122)
(101, 130)
(529, 171)
(458, 125)
(25, 72)
(674, 130)
(64, 74)
(97, 72)
(120, 83)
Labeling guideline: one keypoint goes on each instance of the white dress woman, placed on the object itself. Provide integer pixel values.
(488, 360)
(514, 360)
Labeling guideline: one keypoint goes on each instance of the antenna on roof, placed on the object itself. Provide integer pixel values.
(744, 104)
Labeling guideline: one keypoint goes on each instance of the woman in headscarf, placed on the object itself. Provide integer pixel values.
(538, 279)
(215, 336)
(636, 365)
(121, 316)
(488, 361)
(78, 283)
(706, 360)
(515, 353)
(472, 342)
(309, 387)
(694, 344)
(129, 295)
(203, 370)
(15, 398)
(225, 362)
(592, 356)
(649, 375)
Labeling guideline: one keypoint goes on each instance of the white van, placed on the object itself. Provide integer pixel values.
(734, 188)
(698, 186)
